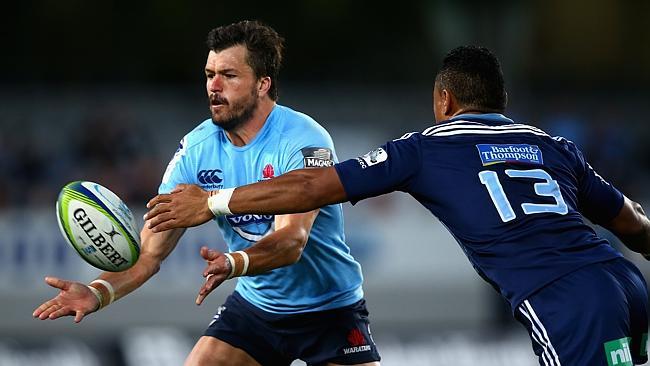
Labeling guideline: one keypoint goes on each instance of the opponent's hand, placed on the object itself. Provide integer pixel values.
(74, 299)
(185, 206)
(216, 271)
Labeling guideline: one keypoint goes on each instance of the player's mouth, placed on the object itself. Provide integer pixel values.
(216, 107)
(216, 102)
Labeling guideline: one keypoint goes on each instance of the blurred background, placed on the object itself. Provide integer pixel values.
(103, 91)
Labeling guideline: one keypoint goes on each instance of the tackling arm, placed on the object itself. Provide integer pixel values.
(300, 190)
(632, 226)
(297, 191)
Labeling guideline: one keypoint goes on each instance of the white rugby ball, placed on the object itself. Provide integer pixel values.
(98, 225)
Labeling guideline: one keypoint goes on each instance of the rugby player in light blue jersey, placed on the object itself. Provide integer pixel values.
(513, 197)
(299, 293)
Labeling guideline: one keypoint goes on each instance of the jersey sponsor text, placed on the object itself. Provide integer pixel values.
(510, 153)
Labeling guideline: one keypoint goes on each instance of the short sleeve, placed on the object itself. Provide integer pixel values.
(311, 150)
(176, 172)
(392, 167)
(598, 200)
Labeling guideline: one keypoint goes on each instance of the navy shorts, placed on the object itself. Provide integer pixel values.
(596, 315)
(339, 335)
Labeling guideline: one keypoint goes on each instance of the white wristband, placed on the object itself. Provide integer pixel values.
(98, 295)
(230, 259)
(218, 201)
(109, 287)
(246, 261)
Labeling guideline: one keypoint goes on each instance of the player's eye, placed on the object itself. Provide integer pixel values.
(209, 76)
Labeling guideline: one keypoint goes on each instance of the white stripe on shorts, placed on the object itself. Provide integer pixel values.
(540, 335)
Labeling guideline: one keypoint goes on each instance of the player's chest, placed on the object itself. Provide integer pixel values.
(233, 169)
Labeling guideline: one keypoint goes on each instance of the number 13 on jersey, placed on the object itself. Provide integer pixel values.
(547, 188)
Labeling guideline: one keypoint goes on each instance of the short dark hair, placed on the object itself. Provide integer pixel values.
(473, 75)
(263, 43)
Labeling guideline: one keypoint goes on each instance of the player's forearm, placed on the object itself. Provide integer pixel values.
(638, 241)
(127, 281)
(300, 190)
(155, 248)
(279, 249)
(633, 227)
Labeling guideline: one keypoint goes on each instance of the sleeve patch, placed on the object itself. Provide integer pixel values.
(376, 156)
(317, 157)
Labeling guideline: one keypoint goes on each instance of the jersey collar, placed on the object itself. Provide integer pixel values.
(485, 118)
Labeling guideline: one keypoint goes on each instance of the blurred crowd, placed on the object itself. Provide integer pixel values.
(613, 140)
(100, 146)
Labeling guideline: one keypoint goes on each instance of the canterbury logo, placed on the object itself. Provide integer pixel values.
(209, 176)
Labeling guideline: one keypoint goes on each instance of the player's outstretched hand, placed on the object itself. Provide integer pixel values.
(216, 271)
(185, 206)
(74, 299)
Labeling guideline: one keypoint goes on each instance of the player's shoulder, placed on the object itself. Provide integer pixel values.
(564, 142)
(199, 134)
(568, 148)
(409, 137)
(297, 126)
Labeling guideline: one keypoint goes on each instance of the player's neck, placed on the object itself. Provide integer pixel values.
(246, 132)
(467, 111)
(474, 111)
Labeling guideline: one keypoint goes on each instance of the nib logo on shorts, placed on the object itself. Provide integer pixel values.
(618, 352)
(357, 341)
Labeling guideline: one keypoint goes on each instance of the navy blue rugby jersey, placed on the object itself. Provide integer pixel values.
(511, 195)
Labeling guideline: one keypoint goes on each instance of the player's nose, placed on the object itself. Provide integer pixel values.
(215, 84)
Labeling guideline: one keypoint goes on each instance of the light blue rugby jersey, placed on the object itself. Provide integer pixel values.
(326, 276)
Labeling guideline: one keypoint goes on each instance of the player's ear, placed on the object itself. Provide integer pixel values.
(264, 84)
(446, 99)
(439, 103)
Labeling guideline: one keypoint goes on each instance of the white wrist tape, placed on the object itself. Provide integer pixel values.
(246, 261)
(109, 287)
(218, 201)
(230, 259)
(98, 295)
